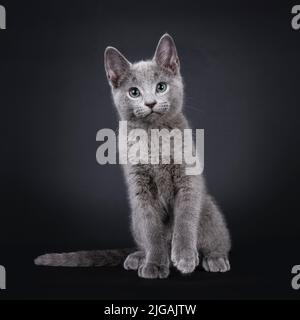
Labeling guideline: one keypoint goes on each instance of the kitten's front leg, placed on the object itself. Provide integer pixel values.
(156, 263)
(184, 254)
(148, 228)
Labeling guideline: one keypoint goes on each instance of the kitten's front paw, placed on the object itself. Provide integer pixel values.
(185, 260)
(220, 264)
(153, 271)
(134, 260)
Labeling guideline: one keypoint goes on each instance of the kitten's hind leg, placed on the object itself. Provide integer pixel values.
(134, 260)
(214, 238)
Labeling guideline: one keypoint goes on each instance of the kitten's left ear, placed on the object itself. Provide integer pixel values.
(166, 54)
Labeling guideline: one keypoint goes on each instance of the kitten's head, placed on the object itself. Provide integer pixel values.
(146, 90)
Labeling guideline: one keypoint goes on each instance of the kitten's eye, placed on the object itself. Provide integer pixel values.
(134, 92)
(161, 87)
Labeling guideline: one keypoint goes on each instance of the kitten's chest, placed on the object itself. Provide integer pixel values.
(154, 146)
(163, 179)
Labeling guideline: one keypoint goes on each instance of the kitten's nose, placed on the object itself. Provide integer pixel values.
(150, 104)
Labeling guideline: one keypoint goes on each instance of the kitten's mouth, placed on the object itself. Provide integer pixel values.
(153, 112)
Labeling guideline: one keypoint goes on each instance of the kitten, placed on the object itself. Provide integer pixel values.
(174, 220)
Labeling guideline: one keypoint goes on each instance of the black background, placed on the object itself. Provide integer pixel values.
(240, 62)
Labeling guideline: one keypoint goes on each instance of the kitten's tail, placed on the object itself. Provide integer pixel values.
(98, 258)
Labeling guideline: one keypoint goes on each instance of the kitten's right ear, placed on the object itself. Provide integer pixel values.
(116, 66)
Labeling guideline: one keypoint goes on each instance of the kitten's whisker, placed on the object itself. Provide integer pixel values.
(193, 108)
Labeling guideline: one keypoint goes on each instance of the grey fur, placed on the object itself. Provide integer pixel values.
(174, 220)
(97, 258)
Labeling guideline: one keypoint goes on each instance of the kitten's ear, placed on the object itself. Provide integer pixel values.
(166, 54)
(116, 66)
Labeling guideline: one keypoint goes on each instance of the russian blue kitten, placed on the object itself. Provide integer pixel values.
(174, 220)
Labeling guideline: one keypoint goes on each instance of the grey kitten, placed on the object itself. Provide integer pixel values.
(173, 218)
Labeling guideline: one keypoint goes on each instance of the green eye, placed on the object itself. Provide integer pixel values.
(161, 87)
(134, 92)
